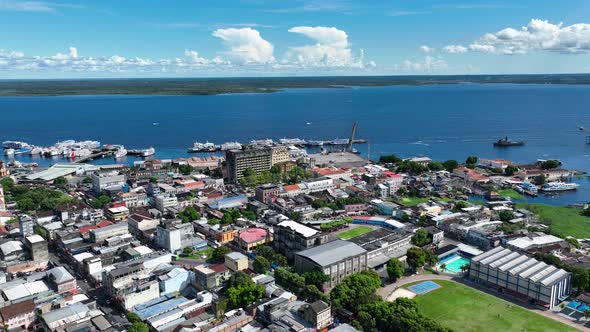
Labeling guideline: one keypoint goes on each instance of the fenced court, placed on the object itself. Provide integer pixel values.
(424, 287)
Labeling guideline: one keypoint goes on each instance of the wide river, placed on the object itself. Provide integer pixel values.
(439, 121)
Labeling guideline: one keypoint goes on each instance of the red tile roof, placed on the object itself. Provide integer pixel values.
(291, 187)
(218, 268)
(17, 309)
(250, 235)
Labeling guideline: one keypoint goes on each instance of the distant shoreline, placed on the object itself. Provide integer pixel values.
(216, 86)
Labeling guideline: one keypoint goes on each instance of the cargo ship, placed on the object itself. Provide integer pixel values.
(505, 142)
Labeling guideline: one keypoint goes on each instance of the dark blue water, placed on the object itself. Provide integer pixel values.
(443, 122)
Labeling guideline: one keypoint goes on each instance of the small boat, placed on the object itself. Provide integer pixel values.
(581, 128)
(505, 142)
(35, 151)
(308, 123)
(559, 186)
(155, 124)
(9, 152)
(24, 150)
(121, 152)
(148, 152)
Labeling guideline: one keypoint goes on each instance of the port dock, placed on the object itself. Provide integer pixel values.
(95, 155)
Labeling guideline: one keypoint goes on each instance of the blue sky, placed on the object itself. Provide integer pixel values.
(148, 38)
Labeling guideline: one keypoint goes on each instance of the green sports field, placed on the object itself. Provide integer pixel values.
(349, 234)
(465, 309)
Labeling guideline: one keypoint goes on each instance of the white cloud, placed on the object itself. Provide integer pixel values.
(34, 6)
(455, 49)
(428, 65)
(537, 35)
(245, 46)
(426, 49)
(331, 49)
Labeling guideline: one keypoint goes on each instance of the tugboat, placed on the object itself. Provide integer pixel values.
(505, 142)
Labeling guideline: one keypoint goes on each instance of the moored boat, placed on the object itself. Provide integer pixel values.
(505, 142)
(559, 186)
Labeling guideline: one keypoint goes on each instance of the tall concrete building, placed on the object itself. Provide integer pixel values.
(257, 158)
(37, 247)
(109, 181)
(26, 225)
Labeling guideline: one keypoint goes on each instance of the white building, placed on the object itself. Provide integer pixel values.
(164, 202)
(319, 184)
(107, 181)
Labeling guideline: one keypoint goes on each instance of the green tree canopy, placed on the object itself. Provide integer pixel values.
(220, 252)
(506, 215)
(316, 278)
(416, 258)
(510, 170)
(356, 290)
(450, 165)
(395, 269)
(550, 164)
(420, 238)
(471, 160)
(389, 159)
(261, 265)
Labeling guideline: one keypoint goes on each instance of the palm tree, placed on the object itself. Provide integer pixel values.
(587, 313)
(443, 266)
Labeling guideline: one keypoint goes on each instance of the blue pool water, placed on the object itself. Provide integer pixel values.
(453, 263)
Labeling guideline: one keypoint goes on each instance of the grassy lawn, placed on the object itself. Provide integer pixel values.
(349, 234)
(465, 309)
(198, 254)
(562, 220)
(510, 193)
(412, 201)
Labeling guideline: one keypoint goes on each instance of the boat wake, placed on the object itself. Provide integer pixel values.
(420, 143)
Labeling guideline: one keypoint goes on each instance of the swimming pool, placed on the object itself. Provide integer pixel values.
(453, 264)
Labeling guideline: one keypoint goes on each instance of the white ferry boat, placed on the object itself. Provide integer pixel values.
(262, 142)
(559, 186)
(231, 146)
(148, 152)
(292, 141)
(14, 145)
(121, 152)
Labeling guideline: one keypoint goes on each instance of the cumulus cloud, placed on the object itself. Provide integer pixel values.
(245, 46)
(537, 35)
(331, 48)
(426, 49)
(455, 49)
(429, 64)
(245, 51)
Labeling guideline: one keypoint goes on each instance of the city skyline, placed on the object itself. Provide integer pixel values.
(77, 39)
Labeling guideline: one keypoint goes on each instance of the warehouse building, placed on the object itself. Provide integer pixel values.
(521, 276)
(338, 259)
